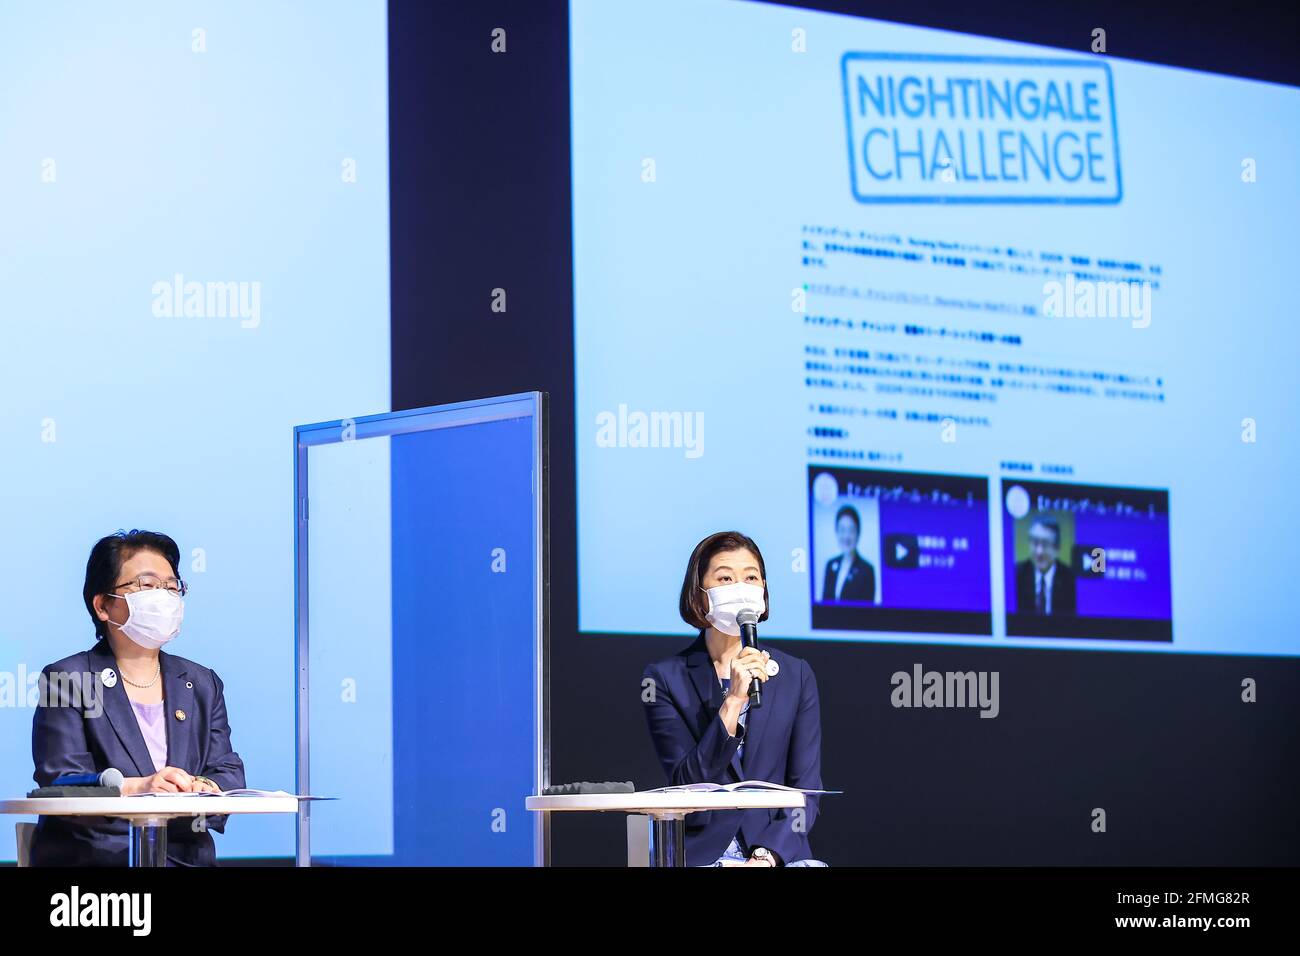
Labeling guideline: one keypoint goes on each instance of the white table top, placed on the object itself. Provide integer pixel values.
(662, 803)
(147, 807)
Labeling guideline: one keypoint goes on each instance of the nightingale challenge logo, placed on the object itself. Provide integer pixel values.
(973, 129)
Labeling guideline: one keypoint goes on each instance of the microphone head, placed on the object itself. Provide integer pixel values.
(747, 616)
(111, 778)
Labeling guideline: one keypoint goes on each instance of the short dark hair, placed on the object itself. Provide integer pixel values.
(852, 512)
(107, 557)
(1051, 525)
(694, 603)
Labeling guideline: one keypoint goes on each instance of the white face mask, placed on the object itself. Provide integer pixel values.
(153, 617)
(727, 600)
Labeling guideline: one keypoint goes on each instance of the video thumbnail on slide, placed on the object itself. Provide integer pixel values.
(899, 551)
(1086, 561)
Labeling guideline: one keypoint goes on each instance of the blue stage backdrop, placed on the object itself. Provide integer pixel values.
(194, 259)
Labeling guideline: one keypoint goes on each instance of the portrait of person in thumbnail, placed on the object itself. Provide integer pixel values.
(849, 576)
(1044, 585)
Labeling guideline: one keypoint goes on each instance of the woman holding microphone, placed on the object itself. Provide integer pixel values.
(701, 724)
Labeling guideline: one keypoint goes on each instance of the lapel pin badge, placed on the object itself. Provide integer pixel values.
(180, 715)
(773, 668)
(108, 677)
(189, 685)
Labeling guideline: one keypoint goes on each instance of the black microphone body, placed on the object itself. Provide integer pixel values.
(748, 621)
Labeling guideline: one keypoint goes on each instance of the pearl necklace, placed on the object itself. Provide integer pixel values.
(156, 675)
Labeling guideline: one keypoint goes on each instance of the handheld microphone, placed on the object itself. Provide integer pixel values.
(747, 618)
(109, 778)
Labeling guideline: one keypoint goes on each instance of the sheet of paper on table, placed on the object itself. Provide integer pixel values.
(732, 787)
(245, 792)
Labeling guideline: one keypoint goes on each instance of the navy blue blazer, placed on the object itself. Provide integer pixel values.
(860, 584)
(783, 744)
(81, 739)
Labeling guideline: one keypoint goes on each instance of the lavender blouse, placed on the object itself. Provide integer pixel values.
(154, 728)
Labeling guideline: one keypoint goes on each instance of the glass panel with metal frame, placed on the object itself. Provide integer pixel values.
(422, 635)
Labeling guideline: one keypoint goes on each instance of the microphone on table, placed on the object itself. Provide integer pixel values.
(111, 777)
(747, 618)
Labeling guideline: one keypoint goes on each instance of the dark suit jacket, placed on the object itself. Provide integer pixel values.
(783, 742)
(1064, 601)
(73, 739)
(861, 585)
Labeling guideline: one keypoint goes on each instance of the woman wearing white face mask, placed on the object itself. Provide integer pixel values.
(704, 728)
(125, 704)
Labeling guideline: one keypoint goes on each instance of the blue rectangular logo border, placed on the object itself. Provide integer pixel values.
(983, 200)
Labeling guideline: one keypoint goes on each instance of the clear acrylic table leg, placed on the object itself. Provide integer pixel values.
(148, 842)
(668, 839)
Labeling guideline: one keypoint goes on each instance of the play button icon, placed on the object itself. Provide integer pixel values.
(901, 551)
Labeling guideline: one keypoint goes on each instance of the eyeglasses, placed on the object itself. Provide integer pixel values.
(151, 582)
